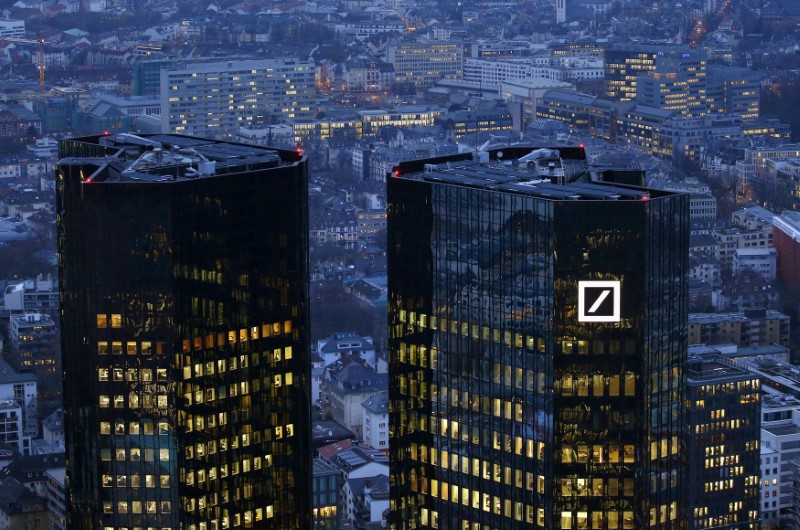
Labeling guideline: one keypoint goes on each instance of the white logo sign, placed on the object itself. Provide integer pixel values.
(598, 301)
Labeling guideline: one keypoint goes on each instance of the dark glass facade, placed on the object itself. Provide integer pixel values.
(723, 447)
(513, 404)
(183, 268)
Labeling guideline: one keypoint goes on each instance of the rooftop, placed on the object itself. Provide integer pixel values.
(546, 173)
(163, 158)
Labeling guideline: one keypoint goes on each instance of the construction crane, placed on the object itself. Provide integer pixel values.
(41, 43)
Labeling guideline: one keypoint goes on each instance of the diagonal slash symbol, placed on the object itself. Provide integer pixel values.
(596, 304)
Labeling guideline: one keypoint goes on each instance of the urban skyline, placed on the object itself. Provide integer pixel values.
(698, 102)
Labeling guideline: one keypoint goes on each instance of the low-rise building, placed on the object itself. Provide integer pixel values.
(375, 430)
(347, 383)
(20, 507)
(36, 295)
(367, 499)
(779, 441)
(21, 389)
(344, 344)
(754, 326)
(36, 347)
(57, 499)
(761, 260)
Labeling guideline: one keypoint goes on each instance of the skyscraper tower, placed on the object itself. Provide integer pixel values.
(183, 267)
(561, 11)
(537, 345)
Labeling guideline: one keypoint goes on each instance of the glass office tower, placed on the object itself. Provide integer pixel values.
(183, 267)
(537, 346)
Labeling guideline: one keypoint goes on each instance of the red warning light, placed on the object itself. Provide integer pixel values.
(396, 172)
(645, 197)
(106, 133)
(581, 146)
(299, 150)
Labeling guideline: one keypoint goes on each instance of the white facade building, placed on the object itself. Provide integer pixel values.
(780, 441)
(375, 429)
(21, 389)
(762, 260)
(332, 348)
(216, 99)
(11, 426)
(12, 28)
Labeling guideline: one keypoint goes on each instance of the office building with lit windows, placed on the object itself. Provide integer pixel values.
(215, 99)
(723, 445)
(183, 276)
(421, 64)
(537, 345)
(679, 70)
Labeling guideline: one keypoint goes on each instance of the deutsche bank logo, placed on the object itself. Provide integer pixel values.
(598, 301)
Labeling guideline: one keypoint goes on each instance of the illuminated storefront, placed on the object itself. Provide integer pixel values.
(537, 346)
(183, 267)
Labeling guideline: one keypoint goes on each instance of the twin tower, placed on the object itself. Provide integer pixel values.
(537, 339)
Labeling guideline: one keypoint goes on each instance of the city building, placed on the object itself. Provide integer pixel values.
(12, 28)
(11, 431)
(786, 238)
(52, 440)
(722, 450)
(371, 225)
(57, 499)
(420, 64)
(347, 383)
(20, 507)
(184, 285)
(779, 442)
(785, 173)
(479, 123)
(147, 77)
(215, 99)
(677, 83)
(626, 63)
(326, 496)
(752, 171)
(523, 95)
(368, 75)
(367, 500)
(752, 326)
(31, 471)
(38, 295)
(733, 91)
(403, 116)
(20, 406)
(375, 430)
(344, 344)
(761, 260)
(35, 347)
(537, 345)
